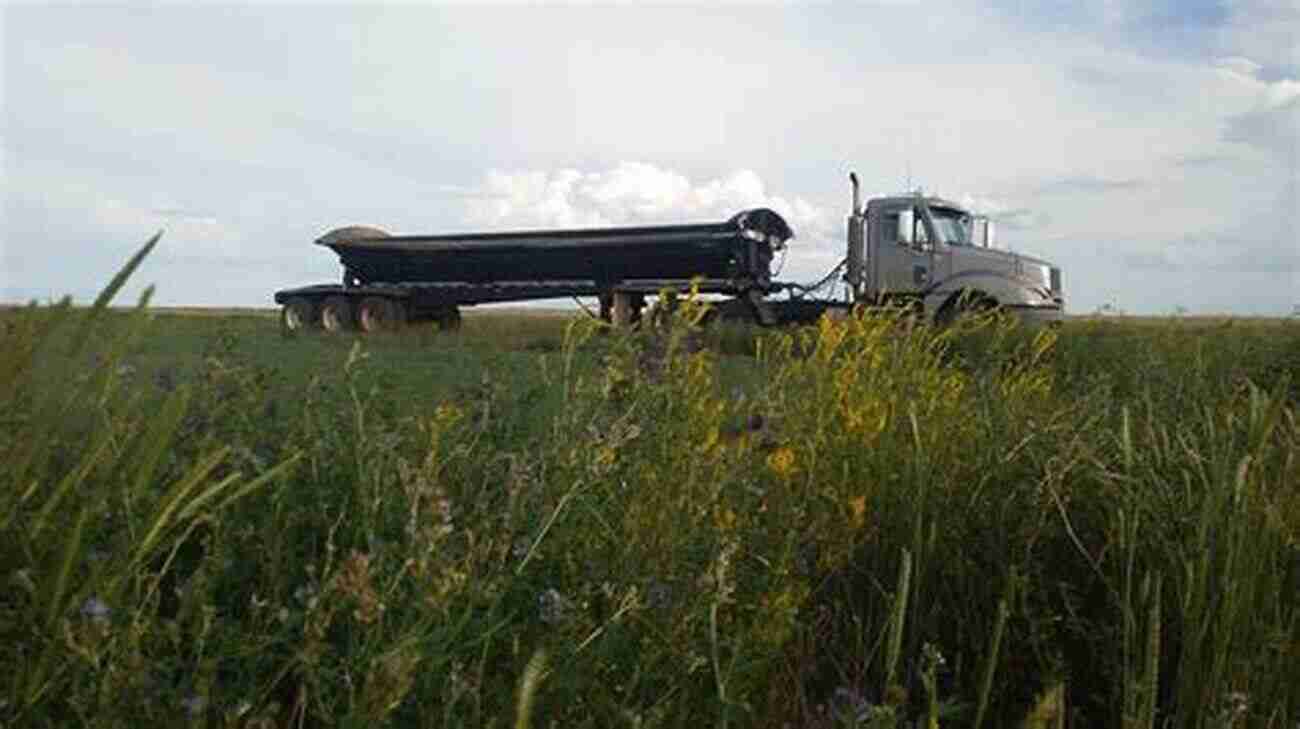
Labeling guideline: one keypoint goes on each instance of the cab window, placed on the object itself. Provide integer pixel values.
(889, 229)
(953, 226)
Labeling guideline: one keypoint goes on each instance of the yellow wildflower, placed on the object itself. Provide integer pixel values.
(858, 511)
(604, 460)
(446, 413)
(781, 461)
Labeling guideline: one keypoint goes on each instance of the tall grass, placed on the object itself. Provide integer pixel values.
(861, 523)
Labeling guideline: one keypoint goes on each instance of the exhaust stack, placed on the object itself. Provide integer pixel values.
(855, 255)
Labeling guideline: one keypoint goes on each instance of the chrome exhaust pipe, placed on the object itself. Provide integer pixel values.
(855, 252)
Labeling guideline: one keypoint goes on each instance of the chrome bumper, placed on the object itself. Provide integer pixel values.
(1039, 314)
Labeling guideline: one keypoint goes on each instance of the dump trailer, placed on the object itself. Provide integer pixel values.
(391, 279)
(911, 250)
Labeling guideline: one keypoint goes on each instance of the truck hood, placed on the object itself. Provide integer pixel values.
(1026, 258)
(1028, 270)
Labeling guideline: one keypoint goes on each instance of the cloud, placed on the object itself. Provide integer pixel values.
(1239, 65)
(1229, 252)
(1021, 219)
(1155, 28)
(1086, 184)
(198, 233)
(192, 230)
(183, 214)
(1265, 31)
(1201, 160)
(1008, 215)
(1273, 125)
(628, 193)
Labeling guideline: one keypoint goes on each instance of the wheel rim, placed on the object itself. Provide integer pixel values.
(379, 315)
(330, 319)
(299, 315)
(374, 317)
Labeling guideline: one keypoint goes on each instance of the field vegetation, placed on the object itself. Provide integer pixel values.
(534, 521)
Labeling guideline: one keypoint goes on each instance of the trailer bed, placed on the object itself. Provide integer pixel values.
(740, 248)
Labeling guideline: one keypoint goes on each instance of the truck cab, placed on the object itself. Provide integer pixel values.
(938, 257)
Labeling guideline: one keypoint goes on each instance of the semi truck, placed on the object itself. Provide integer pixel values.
(936, 256)
(912, 250)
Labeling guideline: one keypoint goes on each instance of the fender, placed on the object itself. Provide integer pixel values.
(1008, 290)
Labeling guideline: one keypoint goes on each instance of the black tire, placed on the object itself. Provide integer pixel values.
(378, 314)
(965, 305)
(660, 316)
(447, 318)
(710, 318)
(299, 315)
(336, 315)
(736, 311)
(399, 313)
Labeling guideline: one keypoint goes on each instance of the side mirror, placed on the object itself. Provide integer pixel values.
(982, 232)
(906, 221)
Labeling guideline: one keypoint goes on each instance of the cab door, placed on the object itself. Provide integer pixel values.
(903, 267)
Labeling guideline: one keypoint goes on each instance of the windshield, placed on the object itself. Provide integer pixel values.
(952, 226)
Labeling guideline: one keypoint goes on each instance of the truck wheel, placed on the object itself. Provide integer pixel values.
(336, 315)
(298, 315)
(966, 305)
(378, 314)
(447, 318)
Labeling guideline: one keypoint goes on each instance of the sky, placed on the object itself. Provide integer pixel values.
(1147, 148)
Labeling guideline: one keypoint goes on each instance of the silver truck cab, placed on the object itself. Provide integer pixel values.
(935, 254)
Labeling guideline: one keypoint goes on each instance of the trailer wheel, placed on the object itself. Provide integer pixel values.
(733, 310)
(336, 315)
(447, 318)
(378, 314)
(399, 313)
(298, 315)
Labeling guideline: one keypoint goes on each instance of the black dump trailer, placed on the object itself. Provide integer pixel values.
(391, 279)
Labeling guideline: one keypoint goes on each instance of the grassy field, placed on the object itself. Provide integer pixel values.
(535, 522)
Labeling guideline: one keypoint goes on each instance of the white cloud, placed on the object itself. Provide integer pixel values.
(1011, 215)
(1269, 122)
(1239, 65)
(1267, 31)
(1242, 251)
(1271, 128)
(628, 193)
(189, 233)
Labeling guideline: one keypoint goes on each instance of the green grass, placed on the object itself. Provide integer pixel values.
(533, 522)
